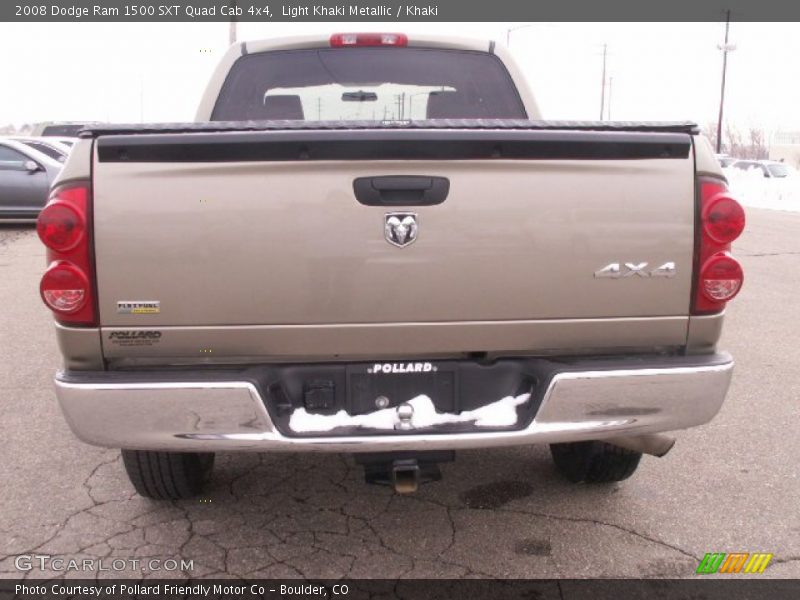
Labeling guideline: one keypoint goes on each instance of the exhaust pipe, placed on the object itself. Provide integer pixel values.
(655, 444)
(405, 476)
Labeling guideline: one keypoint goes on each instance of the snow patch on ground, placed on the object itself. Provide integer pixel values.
(502, 413)
(751, 188)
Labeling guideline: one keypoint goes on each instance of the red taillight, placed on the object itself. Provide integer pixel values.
(59, 225)
(723, 219)
(718, 276)
(343, 40)
(64, 226)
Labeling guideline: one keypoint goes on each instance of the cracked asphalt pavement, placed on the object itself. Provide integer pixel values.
(730, 486)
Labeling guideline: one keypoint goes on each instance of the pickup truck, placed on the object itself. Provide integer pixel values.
(373, 244)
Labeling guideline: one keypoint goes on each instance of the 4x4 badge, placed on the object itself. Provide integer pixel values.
(615, 271)
(400, 228)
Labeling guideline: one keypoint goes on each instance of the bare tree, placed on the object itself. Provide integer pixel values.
(734, 145)
(710, 131)
(758, 148)
(753, 146)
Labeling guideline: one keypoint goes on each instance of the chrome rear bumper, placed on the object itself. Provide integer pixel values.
(231, 415)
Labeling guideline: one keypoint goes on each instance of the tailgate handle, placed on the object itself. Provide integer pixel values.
(401, 190)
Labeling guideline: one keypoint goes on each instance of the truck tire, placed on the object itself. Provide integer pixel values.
(168, 475)
(594, 462)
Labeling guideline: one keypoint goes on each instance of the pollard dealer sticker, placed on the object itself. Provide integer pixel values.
(139, 307)
(134, 337)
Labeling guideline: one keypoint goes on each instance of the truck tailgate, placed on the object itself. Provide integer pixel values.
(253, 244)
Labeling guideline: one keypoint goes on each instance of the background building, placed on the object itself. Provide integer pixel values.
(786, 146)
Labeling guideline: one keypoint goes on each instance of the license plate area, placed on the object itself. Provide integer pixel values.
(453, 386)
(371, 387)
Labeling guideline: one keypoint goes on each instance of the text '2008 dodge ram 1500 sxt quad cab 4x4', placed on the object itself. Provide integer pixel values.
(372, 244)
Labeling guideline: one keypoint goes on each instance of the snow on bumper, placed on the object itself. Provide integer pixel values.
(422, 414)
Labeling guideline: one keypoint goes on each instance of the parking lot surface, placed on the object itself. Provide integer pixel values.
(730, 486)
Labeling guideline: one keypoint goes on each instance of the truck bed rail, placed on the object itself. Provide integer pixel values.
(95, 131)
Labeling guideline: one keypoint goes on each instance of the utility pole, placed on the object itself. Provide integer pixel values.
(603, 84)
(232, 29)
(610, 86)
(726, 47)
(141, 97)
(401, 106)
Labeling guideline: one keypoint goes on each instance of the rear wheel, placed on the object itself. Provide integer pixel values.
(168, 475)
(594, 462)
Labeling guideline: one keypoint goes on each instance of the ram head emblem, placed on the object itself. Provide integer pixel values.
(400, 228)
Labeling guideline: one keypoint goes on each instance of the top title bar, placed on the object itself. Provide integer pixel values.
(395, 10)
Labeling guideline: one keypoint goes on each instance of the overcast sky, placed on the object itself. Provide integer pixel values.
(661, 71)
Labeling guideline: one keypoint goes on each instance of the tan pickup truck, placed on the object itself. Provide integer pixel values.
(372, 244)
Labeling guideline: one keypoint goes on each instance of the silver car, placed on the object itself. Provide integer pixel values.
(49, 146)
(25, 178)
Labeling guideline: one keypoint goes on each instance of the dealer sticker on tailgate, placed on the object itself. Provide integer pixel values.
(139, 307)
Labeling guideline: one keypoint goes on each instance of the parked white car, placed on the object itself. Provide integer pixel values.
(724, 160)
(769, 169)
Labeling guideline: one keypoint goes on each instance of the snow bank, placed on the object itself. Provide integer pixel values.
(502, 413)
(751, 188)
